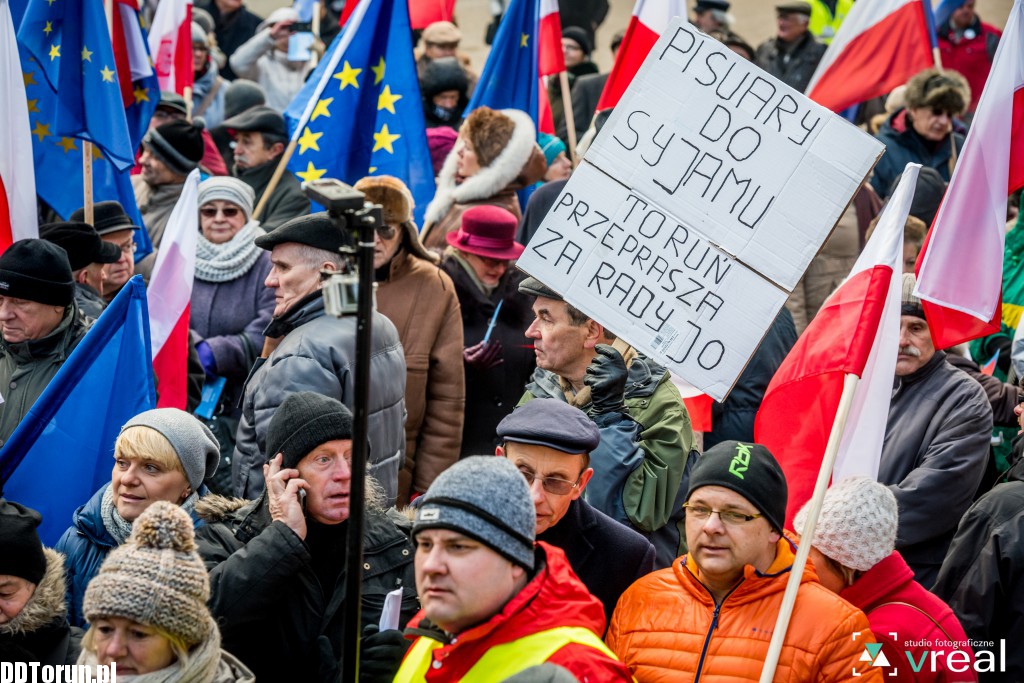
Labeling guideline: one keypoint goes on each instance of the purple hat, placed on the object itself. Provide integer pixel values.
(487, 231)
(440, 141)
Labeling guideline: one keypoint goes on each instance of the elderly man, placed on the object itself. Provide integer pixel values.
(312, 351)
(114, 227)
(277, 564)
(88, 256)
(936, 443)
(793, 54)
(495, 604)
(40, 324)
(646, 440)
(550, 442)
(260, 136)
(712, 613)
(712, 15)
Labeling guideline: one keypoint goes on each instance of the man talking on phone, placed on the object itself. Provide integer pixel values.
(277, 564)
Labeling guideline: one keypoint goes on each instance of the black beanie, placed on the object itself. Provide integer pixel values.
(304, 421)
(37, 270)
(21, 551)
(750, 470)
(578, 36)
(177, 143)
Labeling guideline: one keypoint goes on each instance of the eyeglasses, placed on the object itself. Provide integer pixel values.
(127, 247)
(386, 231)
(701, 514)
(211, 211)
(559, 487)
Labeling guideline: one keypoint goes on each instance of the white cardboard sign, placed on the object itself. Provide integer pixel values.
(699, 207)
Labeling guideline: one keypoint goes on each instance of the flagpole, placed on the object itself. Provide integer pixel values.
(314, 58)
(87, 180)
(275, 179)
(796, 572)
(570, 120)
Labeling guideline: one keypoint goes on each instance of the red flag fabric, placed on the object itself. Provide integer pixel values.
(551, 59)
(423, 13)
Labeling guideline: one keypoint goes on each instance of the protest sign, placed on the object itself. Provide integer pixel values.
(699, 207)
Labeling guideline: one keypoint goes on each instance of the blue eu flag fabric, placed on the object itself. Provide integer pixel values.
(360, 112)
(510, 76)
(70, 43)
(62, 451)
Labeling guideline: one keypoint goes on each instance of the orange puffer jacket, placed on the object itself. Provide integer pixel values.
(666, 627)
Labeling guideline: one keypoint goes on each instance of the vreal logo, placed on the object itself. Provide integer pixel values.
(934, 656)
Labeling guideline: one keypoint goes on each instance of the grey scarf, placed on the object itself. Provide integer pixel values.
(116, 525)
(230, 260)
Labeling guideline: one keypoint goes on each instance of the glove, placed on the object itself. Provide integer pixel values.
(206, 358)
(483, 356)
(381, 654)
(606, 377)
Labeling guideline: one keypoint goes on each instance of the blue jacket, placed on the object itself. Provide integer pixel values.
(903, 145)
(85, 545)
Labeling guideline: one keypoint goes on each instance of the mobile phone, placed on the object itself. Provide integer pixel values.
(301, 27)
(302, 499)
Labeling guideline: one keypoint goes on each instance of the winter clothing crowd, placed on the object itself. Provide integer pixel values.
(535, 489)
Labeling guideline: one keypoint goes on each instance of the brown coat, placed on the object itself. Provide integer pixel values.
(419, 298)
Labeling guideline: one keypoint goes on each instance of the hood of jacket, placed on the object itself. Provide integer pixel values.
(46, 605)
(520, 164)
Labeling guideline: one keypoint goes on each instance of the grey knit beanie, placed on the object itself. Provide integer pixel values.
(228, 189)
(911, 305)
(196, 446)
(486, 498)
(156, 578)
(303, 421)
(857, 525)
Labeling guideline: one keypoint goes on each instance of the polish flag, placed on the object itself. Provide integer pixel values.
(880, 45)
(170, 43)
(549, 44)
(169, 293)
(856, 332)
(960, 270)
(650, 19)
(132, 62)
(18, 219)
(423, 13)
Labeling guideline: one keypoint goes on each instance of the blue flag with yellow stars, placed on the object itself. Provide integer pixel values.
(510, 76)
(360, 112)
(70, 44)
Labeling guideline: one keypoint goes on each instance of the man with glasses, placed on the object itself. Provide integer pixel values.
(711, 615)
(115, 227)
(550, 442)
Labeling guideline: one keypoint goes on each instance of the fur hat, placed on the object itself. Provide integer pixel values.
(397, 202)
(489, 131)
(943, 89)
(442, 33)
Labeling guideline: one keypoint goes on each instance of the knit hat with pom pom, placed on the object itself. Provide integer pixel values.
(156, 578)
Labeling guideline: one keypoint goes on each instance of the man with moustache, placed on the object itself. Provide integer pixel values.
(936, 442)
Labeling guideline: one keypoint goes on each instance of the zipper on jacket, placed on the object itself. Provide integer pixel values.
(711, 629)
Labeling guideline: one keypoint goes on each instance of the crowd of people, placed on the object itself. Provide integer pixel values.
(536, 492)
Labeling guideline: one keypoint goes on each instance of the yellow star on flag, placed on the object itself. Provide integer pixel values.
(383, 140)
(33, 106)
(96, 153)
(378, 71)
(29, 77)
(347, 76)
(54, 52)
(309, 140)
(68, 144)
(311, 172)
(48, 29)
(86, 54)
(321, 109)
(42, 130)
(373, 169)
(387, 100)
(524, 40)
(141, 94)
(108, 74)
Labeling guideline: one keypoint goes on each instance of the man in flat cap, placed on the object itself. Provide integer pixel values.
(260, 137)
(40, 324)
(549, 441)
(793, 54)
(114, 227)
(712, 15)
(312, 351)
(88, 256)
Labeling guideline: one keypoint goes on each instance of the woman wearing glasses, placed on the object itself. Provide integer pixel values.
(230, 304)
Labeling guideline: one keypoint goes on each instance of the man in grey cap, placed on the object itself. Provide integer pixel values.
(88, 256)
(549, 441)
(308, 350)
(793, 54)
(260, 137)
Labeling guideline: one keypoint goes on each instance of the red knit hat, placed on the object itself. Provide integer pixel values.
(487, 231)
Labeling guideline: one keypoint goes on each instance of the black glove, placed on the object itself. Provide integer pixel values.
(381, 654)
(483, 356)
(606, 377)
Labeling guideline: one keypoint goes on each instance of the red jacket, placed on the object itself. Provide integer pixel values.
(892, 581)
(970, 56)
(554, 597)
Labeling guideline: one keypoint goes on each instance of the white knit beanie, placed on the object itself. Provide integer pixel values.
(857, 525)
(228, 189)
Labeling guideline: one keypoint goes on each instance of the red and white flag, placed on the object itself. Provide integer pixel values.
(170, 44)
(880, 45)
(960, 270)
(18, 218)
(650, 19)
(130, 56)
(856, 332)
(169, 293)
(551, 60)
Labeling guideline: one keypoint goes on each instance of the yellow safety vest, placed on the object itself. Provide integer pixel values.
(823, 25)
(505, 660)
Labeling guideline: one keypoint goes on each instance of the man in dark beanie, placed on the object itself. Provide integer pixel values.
(88, 256)
(40, 324)
(308, 350)
(33, 615)
(484, 583)
(715, 607)
(277, 564)
(169, 153)
(576, 48)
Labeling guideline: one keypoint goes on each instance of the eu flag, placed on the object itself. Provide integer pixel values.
(62, 451)
(70, 43)
(360, 113)
(510, 76)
